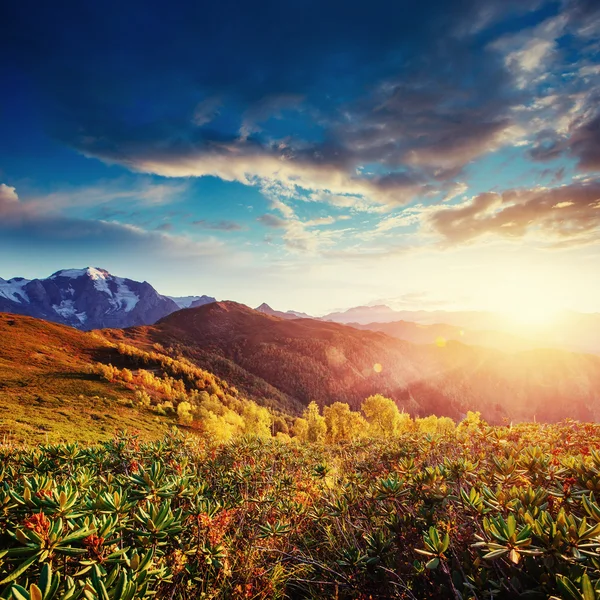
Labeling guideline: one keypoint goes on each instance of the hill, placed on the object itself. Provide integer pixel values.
(58, 383)
(218, 358)
(48, 391)
(295, 361)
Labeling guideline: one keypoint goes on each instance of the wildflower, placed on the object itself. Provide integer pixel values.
(38, 523)
(216, 525)
(93, 543)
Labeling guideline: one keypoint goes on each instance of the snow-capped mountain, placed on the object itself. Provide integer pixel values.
(88, 298)
(192, 301)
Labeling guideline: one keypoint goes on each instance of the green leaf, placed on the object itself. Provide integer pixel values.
(433, 563)
(19, 593)
(567, 587)
(587, 588)
(20, 569)
(495, 553)
(45, 579)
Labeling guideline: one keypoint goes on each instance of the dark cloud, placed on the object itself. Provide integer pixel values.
(585, 143)
(272, 221)
(580, 140)
(199, 90)
(566, 215)
(390, 103)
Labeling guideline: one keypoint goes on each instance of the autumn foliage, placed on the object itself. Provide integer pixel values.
(430, 511)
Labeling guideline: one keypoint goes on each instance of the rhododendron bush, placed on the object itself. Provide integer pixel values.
(466, 512)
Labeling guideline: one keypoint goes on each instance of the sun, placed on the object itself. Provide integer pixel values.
(524, 297)
(530, 307)
(533, 315)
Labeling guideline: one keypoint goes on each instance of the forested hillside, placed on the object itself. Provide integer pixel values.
(305, 359)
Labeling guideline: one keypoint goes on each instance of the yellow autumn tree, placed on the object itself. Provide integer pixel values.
(300, 429)
(433, 424)
(472, 422)
(257, 420)
(382, 414)
(317, 428)
(184, 413)
(343, 423)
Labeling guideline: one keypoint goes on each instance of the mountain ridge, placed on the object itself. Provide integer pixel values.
(88, 298)
(307, 359)
(288, 314)
(192, 301)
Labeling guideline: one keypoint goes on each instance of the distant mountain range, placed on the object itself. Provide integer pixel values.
(289, 362)
(440, 334)
(191, 301)
(89, 298)
(290, 314)
(93, 298)
(381, 313)
(574, 331)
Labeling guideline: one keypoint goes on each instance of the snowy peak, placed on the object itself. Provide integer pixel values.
(13, 289)
(91, 272)
(116, 288)
(88, 298)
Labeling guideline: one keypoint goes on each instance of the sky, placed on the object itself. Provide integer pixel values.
(442, 154)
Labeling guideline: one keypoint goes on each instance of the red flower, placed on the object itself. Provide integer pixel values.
(38, 523)
(94, 545)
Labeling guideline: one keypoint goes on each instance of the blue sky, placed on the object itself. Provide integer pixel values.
(313, 155)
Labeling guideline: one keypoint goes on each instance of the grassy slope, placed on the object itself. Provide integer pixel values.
(48, 394)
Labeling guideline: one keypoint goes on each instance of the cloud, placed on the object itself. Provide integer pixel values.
(576, 132)
(563, 216)
(206, 111)
(218, 225)
(251, 162)
(314, 120)
(302, 236)
(421, 129)
(121, 191)
(348, 122)
(8, 197)
(272, 221)
(555, 64)
(530, 51)
(585, 142)
(268, 107)
(38, 227)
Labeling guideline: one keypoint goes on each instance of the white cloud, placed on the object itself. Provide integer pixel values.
(40, 223)
(8, 195)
